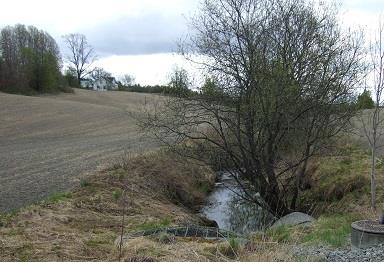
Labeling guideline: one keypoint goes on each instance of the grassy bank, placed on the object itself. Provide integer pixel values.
(340, 182)
(160, 189)
(337, 193)
(154, 190)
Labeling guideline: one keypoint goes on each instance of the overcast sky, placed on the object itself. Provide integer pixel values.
(138, 37)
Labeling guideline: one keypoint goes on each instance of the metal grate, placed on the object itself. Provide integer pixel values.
(369, 226)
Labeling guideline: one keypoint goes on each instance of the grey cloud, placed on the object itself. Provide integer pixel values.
(147, 34)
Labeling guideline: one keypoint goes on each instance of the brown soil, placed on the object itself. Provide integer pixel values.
(47, 142)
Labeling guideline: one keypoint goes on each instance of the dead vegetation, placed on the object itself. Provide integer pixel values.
(160, 189)
(83, 225)
(339, 182)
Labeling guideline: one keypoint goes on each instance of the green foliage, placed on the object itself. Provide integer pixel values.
(30, 61)
(364, 100)
(71, 79)
(179, 83)
(210, 89)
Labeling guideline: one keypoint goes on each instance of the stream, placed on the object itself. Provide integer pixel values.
(230, 211)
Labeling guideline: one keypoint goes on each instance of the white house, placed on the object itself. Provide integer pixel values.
(102, 83)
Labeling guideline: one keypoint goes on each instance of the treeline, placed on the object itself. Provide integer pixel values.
(155, 89)
(30, 61)
(179, 85)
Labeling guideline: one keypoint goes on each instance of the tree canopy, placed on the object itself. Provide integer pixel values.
(30, 60)
(364, 100)
(284, 85)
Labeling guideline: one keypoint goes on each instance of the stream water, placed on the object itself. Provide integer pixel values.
(230, 211)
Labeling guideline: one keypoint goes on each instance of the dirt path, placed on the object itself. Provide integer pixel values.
(47, 142)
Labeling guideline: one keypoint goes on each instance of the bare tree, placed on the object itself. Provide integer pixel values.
(372, 122)
(285, 77)
(127, 80)
(81, 56)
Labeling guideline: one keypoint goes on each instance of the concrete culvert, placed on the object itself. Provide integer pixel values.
(367, 233)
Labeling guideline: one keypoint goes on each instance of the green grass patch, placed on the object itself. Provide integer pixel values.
(333, 230)
(204, 186)
(337, 181)
(117, 194)
(58, 197)
(96, 242)
(6, 218)
(101, 240)
(280, 234)
(84, 183)
(165, 222)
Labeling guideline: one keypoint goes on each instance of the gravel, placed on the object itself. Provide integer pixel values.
(371, 254)
(375, 253)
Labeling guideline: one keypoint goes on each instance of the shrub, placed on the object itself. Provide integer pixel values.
(364, 100)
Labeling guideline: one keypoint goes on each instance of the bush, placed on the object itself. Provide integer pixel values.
(364, 100)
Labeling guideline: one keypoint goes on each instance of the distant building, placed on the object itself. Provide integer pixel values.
(99, 84)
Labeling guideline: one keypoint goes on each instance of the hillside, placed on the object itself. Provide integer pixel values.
(77, 154)
(47, 142)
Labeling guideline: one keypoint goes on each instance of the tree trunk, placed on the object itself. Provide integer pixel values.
(276, 203)
(373, 177)
(79, 79)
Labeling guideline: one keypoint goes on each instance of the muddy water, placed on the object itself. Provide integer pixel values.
(226, 207)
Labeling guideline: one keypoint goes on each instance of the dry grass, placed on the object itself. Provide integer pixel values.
(340, 182)
(85, 225)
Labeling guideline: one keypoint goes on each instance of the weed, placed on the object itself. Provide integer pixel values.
(58, 197)
(117, 194)
(84, 183)
(165, 238)
(230, 249)
(155, 225)
(95, 242)
(6, 218)
(280, 234)
(204, 186)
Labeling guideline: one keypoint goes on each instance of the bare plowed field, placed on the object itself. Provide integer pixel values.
(48, 142)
